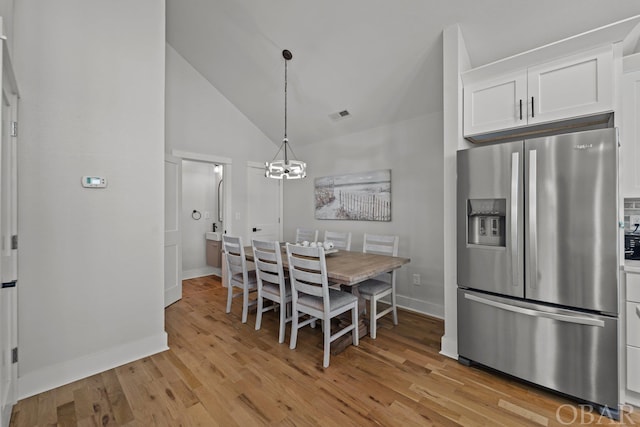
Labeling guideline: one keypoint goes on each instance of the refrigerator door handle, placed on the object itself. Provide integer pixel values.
(581, 320)
(533, 226)
(515, 173)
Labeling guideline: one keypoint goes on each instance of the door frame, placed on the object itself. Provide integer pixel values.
(226, 162)
(172, 232)
(9, 265)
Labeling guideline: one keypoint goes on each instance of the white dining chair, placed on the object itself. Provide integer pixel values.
(306, 234)
(312, 295)
(340, 240)
(237, 274)
(373, 290)
(273, 285)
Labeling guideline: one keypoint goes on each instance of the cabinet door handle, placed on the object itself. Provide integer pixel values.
(533, 108)
(521, 109)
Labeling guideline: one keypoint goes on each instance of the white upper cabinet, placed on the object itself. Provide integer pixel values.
(630, 136)
(575, 86)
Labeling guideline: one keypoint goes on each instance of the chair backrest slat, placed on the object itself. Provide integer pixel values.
(340, 240)
(264, 266)
(268, 277)
(305, 264)
(380, 244)
(306, 234)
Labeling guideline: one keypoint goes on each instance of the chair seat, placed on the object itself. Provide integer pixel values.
(272, 289)
(373, 287)
(251, 275)
(337, 299)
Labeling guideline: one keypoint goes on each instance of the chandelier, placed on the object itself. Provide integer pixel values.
(286, 168)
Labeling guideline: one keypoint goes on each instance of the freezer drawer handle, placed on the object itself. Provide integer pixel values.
(536, 313)
(638, 310)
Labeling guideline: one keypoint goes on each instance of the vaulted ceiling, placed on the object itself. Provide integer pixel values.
(379, 59)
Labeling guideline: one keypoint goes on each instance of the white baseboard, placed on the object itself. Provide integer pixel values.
(172, 295)
(632, 398)
(419, 306)
(66, 372)
(200, 272)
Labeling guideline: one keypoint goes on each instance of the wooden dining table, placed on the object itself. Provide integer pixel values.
(348, 269)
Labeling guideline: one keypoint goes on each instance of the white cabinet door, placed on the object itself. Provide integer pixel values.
(571, 87)
(633, 368)
(632, 314)
(630, 135)
(495, 105)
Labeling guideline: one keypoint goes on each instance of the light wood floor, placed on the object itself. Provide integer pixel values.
(220, 372)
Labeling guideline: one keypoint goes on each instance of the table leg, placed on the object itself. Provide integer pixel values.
(339, 345)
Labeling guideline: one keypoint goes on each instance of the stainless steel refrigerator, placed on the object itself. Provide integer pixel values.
(538, 264)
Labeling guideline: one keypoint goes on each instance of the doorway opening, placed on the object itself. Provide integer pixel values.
(205, 210)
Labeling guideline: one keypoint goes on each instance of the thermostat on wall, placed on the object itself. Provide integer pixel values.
(94, 182)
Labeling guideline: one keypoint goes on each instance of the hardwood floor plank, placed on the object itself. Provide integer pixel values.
(26, 413)
(525, 413)
(47, 410)
(120, 407)
(185, 373)
(199, 417)
(215, 403)
(221, 372)
(67, 415)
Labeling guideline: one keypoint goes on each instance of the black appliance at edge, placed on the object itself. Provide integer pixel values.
(632, 246)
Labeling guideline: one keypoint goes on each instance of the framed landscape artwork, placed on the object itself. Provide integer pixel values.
(356, 196)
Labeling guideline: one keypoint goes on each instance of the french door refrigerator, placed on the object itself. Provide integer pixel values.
(537, 256)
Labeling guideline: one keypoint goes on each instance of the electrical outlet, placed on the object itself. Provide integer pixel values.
(416, 279)
(634, 219)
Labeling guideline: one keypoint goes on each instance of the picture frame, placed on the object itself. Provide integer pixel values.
(364, 196)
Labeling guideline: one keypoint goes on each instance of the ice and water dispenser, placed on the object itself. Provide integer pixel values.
(486, 221)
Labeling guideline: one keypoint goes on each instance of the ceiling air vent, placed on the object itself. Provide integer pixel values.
(340, 115)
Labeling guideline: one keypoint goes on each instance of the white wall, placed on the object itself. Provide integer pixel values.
(91, 76)
(201, 120)
(413, 151)
(199, 192)
(6, 12)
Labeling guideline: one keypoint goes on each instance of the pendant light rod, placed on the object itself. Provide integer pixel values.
(294, 169)
(287, 55)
